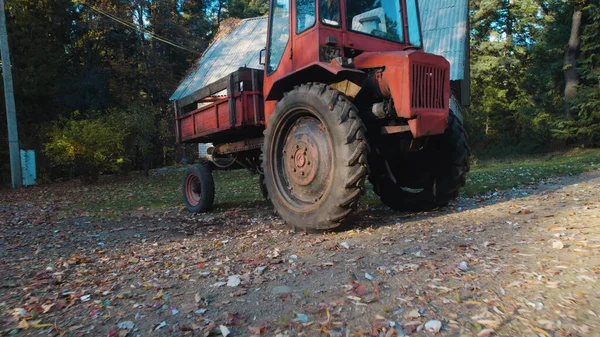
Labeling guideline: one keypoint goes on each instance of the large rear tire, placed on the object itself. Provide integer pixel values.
(447, 167)
(198, 188)
(315, 157)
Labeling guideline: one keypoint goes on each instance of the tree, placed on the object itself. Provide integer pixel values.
(39, 32)
(584, 126)
(503, 32)
(142, 141)
(246, 8)
(86, 147)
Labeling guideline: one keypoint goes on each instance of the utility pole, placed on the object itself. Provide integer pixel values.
(9, 96)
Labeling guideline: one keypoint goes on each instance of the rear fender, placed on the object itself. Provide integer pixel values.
(321, 72)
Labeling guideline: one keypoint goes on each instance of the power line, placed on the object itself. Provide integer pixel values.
(152, 34)
(134, 26)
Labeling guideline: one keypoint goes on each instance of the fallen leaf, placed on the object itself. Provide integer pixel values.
(542, 331)
(433, 326)
(23, 324)
(234, 281)
(224, 330)
(486, 333)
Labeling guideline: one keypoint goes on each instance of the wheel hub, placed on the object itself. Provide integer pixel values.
(303, 160)
(192, 190)
(300, 159)
(306, 157)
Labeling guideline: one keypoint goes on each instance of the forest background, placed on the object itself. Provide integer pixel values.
(92, 78)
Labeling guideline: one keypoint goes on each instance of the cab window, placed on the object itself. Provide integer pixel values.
(329, 12)
(414, 33)
(379, 18)
(279, 33)
(305, 15)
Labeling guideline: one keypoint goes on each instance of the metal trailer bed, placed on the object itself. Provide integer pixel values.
(228, 110)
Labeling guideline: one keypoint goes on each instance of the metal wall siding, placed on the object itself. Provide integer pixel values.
(444, 25)
(238, 49)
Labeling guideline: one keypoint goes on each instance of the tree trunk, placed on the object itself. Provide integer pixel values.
(220, 8)
(509, 26)
(570, 61)
(146, 166)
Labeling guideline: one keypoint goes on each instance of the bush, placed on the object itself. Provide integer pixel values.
(86, 147)
(142, 140)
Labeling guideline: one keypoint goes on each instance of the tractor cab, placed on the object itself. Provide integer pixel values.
(368, 48)
(343, 29)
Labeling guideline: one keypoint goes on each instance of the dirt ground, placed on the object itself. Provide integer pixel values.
(524, 262)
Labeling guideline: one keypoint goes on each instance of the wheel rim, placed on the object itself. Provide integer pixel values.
(302, 160)
(193, 190)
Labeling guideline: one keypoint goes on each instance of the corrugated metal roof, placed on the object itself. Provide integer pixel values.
(444, 26)
(239, 48)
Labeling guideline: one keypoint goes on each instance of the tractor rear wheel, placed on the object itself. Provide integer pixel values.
(315, 157)
(198, 188)
(443, 174)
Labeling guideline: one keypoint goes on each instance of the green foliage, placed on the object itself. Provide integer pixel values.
(499, 61)
(585, 127)
(517, 76)
(246, 8)
(141, 122)
(97, 57)
(86, 146)
(68, 56)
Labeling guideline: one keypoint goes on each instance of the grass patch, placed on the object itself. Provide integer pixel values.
(239, 189)
(233, 189)
(501, 174)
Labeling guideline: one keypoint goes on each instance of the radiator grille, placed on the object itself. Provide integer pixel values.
(427, 87)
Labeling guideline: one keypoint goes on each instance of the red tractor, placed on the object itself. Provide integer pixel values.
(346, 93)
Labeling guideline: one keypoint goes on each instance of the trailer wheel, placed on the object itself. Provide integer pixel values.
(198, 188)
(315, 160)
(449, 173)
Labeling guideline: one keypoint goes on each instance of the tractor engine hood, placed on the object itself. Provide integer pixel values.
(417, 82)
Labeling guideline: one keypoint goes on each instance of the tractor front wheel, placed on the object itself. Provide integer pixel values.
(198, 188)
(444, 167)
(315, 157)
